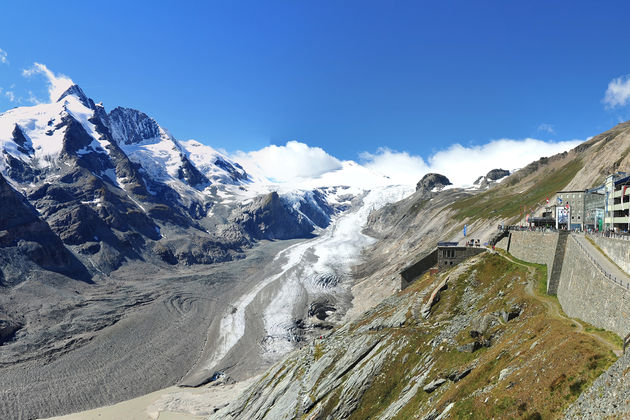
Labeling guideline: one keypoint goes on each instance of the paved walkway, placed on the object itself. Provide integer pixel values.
(613, 272)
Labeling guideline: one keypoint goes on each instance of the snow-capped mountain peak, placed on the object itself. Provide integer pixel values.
(116, 186)
(77, 92)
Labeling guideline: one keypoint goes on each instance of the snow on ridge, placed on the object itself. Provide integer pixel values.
(38, 124)
(162, 157)
(205, 158)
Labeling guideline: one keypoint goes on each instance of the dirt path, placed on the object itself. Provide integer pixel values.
(554, 308)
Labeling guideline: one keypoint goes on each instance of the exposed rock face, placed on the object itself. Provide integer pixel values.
(497, 174)
(432, 181)
(483, 182)
(236, 171)
(268, 217)
(22, 232)
(131, 126)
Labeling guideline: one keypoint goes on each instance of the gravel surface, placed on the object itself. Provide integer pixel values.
(85, 346)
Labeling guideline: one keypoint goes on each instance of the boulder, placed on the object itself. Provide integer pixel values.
(432, 386)
(457, 376)
(474, 346)
(480, 325)
(514, 312)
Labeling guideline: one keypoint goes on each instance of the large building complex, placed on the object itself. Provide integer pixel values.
(606, 207)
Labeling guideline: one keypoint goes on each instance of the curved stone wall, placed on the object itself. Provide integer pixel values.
(537, 247)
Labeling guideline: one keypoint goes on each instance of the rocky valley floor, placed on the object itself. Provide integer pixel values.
(85, 345)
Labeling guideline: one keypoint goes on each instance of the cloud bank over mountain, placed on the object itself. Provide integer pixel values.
(461, 164)
(291, 161)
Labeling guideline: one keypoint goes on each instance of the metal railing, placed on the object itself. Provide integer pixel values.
(606, 274)
(612, 235)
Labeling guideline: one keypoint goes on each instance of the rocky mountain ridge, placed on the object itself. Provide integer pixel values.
(116, 187)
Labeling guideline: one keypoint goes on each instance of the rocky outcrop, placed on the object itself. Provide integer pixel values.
(23, 235)
(491, 178)
(496, 174)
(432, 181)
(270, 217)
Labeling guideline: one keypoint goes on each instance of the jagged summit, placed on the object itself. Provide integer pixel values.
(130, 126)
(76, 91)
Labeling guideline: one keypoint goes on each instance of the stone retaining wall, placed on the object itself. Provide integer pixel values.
(617, 249)
(585, 293)
(415, 270)
(537, 247)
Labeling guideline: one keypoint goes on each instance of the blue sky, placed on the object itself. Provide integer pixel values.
(350, 77)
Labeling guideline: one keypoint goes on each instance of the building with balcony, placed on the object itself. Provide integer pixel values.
(617, 202)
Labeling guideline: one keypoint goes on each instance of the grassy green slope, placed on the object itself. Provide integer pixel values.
(549, 361)
(507, 200)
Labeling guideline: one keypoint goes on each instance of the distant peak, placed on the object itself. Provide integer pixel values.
(76, 91)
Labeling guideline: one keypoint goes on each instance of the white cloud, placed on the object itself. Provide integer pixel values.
(286, 163)
(618, 92)
(547, 128)
(399, 167)
(10, 95)
(3, 57)
(57, 84)
(463, 165)
(297, 163)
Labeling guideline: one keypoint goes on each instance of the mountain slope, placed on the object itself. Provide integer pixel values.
(477, 355)
(26, 239)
